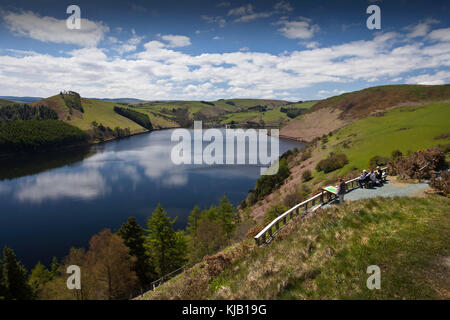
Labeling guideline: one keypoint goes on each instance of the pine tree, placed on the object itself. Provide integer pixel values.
(167, 248)
(227, 215)
(55, 267)
(133, 236)
(15, 277)
(39, 277)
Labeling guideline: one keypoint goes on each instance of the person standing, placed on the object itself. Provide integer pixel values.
(341, 190)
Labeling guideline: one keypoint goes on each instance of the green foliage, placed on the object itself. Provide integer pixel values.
(182, 117)
(396, 154)
(25, 112)
(167, 248)
(133, 237)
(138, 117)
(306, 175)
(72, 100)
(211, 229)
(292, 112)
(267, 183)
(102, 133)
(274, 211)
(39, 277)
(378, 161)
(333, 162)
(14, 278)
(38, 135)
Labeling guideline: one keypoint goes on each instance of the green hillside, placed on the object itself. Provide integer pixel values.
(328, 256)
(93, 110)
(239, 112)
(406, 129)
(363, 102)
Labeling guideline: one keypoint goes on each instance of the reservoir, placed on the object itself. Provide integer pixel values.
(52, 202)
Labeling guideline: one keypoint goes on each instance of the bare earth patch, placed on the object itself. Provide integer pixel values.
(314, 124)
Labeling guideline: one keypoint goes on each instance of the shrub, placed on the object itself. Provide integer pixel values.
(378, 161)
(442, 183)
(306, 176)
(217, 263)
(445, 148)
(333, 162)
(306, 155)
(253, 231)
(274, 211)
(396, 154)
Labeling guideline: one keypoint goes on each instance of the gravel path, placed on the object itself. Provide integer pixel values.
(389, 189)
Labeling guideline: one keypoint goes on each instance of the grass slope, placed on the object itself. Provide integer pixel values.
(336, 112)
(407, 129)
(361, 103)
(329, 252)
(94, 110)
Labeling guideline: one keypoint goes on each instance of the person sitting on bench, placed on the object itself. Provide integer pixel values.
(379, 175)
(363, 178)
(373, 179)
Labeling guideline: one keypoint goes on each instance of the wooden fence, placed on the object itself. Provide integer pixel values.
(269, 232)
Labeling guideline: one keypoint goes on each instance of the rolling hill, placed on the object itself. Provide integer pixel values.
(336, 112)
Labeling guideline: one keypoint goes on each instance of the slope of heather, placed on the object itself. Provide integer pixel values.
(335, 112)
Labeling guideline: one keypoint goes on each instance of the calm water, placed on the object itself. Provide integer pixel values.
(52, 202)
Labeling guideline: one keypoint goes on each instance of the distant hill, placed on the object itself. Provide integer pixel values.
(21, 99)
(4, 102)
(123, 100)
(333, 113)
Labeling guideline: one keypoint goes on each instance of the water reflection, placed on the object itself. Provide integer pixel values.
(51, 203)
(87, 184)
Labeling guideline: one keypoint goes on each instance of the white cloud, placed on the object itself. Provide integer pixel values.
(49, 29)
(176, 41)
(217, 38)
(440, 77)
(129, 46)
(216, 20)
(421, 29)
(299, 29)
(283, 6)
(247, 13)
(162, 73)
(440, 35)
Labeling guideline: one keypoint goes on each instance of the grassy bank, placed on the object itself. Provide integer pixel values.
(329, 252)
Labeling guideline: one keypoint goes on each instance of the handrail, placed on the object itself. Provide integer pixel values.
(261, 236)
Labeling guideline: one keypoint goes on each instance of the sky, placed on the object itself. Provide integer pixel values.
(208, 50)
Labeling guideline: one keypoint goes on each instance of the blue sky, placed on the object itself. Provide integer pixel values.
(206, 50)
